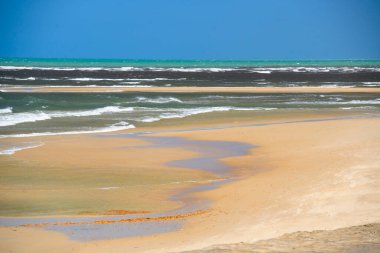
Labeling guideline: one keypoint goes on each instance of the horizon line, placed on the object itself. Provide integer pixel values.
(174, 59)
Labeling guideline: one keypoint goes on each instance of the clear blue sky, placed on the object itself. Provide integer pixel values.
(191, 29)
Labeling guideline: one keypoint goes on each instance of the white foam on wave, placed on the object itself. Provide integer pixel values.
(95, 112)
(193, 69)
(235, 97)
(352, 102)
(213, 96)
(112, 128)
(86, 79)
(155, 79)
(34, 68)
(18, 147)
(23, 117)
(156, 69)
(335, 86)
(129, 82)
(6, 110)
(32, 78)
(158, 100)
(182, 113)
(371, 84)
(264, 70)
(357, 108)
(84, 86)
(321, 86)
(313, 69)
(26, 79)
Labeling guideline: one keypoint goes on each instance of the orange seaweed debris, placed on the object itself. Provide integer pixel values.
(140, 219)
(116, 212)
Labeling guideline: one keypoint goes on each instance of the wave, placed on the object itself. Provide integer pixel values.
(26, 79)
(352, 102)
(357, 107)
(182, 113)
(6, 110)
(335, 86)
(371, 84)
(112, 128)
(260, 70)
(95, 112)
(158, 100)
(23, 117)
(130, 82)
(83, 86)
(236, 97)
(22, 146)
(86, 79)
(313, 69)
(153, 79)
(322, 86)
(32, 78)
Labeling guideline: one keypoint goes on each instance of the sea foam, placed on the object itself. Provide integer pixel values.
(10, 119)
(6, 110)
(182, 113)
(18, 147)
(158, 100)
(114, 127)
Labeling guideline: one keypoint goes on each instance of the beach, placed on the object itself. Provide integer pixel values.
(189, 157)
(280, 188)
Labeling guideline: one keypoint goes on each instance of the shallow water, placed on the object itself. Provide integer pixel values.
(209, 154)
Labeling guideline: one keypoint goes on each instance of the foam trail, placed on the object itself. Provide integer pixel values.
(159, 100)
(12, 150)
(352, 102)
(115, 127)
(6, 110)
(23, 117)
(182, 113)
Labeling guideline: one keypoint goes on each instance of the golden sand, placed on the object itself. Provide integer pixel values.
(302, 176)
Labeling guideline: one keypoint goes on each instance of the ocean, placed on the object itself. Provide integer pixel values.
(26, 113)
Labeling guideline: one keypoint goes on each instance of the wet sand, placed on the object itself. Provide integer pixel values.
(78, 175)
(192, 89)
(303, 176)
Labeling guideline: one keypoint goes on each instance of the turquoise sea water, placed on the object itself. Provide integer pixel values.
(183, 63)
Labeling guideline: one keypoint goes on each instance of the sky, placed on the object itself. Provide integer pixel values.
(191, 29)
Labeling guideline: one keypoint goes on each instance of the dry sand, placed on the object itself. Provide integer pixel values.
(357, 239)
(301, 177)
